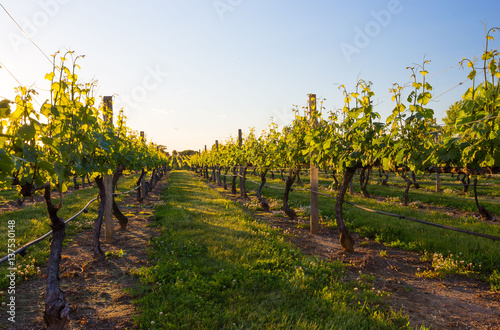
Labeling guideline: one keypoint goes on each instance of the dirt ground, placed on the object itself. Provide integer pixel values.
(97, 291)
(454, 302)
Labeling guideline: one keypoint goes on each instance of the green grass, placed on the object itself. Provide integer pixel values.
(482, 253)
(32, 222)
(216, 267)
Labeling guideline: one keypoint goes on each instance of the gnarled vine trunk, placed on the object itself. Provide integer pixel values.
(335, 180)
(56, 314)
(346, 239)
(263, 203)
(364, 177)
(233, 183)
(224, 180)
(407, 189)
(384, 181)
(465, 183)
(414, 180)
(219, 182)
(288, 186)
(482, 210)
(122, 219)
(96, 245)
(138, 183)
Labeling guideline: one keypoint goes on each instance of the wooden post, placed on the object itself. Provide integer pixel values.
(242, 180)
(438, 178)
(314, 180)
(108, 179)
(219, 183)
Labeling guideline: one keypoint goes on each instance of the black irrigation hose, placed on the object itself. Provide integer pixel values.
(397, 215)
(22, 251)
(425, 222)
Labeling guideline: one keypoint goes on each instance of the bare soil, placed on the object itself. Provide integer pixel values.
(98, 292)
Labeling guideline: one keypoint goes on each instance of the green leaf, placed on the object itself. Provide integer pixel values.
(489, 160)
(29, 153)
(5, 163)
(4, 109)
(49, 76)
(327, 144)
(27, 132)
(400, 156)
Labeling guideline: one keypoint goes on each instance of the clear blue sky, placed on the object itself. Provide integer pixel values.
(192, 71)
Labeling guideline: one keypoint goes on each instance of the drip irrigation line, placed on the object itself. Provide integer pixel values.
(442, 183)
(126, 192)
(392, 214)
(424, 222)
(22, 250)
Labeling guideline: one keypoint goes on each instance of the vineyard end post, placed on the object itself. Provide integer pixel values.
(108, 179)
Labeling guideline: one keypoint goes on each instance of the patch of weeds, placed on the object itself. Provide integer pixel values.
(302, 226)
(119, 254)
(450, 265)
(412, 246)
(495, 280)
(27, 268)
(332, 225)
(304, 211)
(393, 200)
(367, 231)
(383, 253)
(468, 220)
(416, 205)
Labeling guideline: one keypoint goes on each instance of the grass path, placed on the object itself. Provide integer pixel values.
(217, 267)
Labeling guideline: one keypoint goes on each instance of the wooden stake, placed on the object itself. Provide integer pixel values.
(144, 188)
(108, 211)
(438, 178)
(314, 219)
(219, 183)
(108, 179)
(242, 180)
